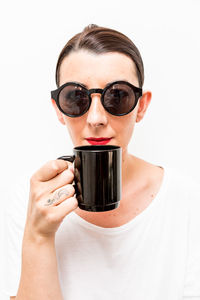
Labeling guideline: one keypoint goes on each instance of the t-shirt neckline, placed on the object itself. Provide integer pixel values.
(132, 223)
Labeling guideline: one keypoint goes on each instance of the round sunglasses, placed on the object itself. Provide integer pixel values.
(118, 98)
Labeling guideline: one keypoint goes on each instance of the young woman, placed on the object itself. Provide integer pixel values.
(147, 248)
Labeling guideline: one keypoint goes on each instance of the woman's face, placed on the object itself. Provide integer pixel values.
(95, 71)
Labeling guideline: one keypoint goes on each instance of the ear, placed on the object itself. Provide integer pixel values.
(143, 105)
(58, 112)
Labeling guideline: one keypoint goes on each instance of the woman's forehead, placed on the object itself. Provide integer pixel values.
(90, 68)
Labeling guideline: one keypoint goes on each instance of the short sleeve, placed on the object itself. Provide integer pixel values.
(192, 275)
(14, 218)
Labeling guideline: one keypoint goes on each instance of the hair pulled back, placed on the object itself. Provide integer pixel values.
(102, 40)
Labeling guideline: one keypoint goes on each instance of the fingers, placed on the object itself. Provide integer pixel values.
(50, 187)
(65, 207)
(63, 202)
(60, 195)
(51, 169)
(66, 177)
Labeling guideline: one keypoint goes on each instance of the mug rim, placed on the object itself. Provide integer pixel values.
(97, 148)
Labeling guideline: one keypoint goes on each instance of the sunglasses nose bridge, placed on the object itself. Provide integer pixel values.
(95, 91)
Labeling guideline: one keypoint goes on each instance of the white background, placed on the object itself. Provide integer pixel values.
(33, 33)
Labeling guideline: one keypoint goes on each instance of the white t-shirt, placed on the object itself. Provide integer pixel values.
(154, 256)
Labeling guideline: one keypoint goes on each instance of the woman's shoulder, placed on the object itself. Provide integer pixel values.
(181, 178)
(174, 178)
(174, 174)
(182, 188)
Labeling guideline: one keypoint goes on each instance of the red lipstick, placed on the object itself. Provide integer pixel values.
(98, 141)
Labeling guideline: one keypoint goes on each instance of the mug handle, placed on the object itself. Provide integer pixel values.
(70, 158)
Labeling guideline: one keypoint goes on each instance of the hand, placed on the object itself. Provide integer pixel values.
(51, 198)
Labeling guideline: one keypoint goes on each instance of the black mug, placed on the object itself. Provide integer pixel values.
(97, 176)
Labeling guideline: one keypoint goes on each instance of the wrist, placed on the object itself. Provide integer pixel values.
(31, 237)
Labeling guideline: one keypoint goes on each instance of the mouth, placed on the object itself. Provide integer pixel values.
(98, 141)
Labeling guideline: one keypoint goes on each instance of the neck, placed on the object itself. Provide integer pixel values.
(128, 167)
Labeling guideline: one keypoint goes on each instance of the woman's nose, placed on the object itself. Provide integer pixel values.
(96, 113)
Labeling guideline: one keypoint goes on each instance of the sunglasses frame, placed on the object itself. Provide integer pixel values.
(55, 95)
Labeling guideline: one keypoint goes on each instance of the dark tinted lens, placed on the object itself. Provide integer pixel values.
(73, 100)
(119, 99)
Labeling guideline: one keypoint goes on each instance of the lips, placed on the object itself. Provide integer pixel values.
(98, 141)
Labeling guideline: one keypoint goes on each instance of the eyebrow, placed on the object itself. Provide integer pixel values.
(105, 85)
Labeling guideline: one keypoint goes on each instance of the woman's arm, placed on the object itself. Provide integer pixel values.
(51, 199)
(39, 276)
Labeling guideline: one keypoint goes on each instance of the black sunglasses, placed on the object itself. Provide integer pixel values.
(118, 98)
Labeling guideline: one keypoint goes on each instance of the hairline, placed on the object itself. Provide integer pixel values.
(90, 51)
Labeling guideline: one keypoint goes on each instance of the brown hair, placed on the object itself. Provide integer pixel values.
(102, 40)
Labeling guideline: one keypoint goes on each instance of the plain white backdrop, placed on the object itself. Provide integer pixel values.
(33, 33)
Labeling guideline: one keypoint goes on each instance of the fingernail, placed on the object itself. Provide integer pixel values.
(71, 168)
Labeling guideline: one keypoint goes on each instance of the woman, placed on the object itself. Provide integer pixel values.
(144, 249)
